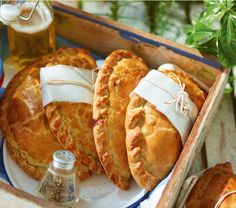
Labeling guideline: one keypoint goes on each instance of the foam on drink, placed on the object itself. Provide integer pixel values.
(40, 20)
(31, 39)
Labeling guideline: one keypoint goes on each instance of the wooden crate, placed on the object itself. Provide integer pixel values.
(104, 36)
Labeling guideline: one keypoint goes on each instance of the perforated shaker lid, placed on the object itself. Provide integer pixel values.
(63, 159)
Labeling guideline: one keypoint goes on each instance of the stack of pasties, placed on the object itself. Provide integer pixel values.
(120, 135)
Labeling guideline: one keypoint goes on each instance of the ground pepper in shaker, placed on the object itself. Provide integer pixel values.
(59, 183)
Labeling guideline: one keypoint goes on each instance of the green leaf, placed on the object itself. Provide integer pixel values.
(214, 31)
(209, 47)
(229, 28)
(226, 53)
(188, 29)
(228, 90)
(203, 36)
(227, 4)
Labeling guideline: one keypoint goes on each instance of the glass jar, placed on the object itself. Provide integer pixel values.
(59, 183)
(31, 30)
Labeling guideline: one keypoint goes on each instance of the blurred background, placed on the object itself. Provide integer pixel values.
(207, 25)
(164, 18)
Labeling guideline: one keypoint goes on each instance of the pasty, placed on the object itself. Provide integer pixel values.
(117, 78)
(30, 141)
(72, 123)
(153, 144)
(211, 186)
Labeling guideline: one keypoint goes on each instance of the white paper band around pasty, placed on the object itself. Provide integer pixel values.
(160, 90)
(174, 67)
(63, 83)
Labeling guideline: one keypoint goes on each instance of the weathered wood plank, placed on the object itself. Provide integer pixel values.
(11, 198)
(103, 36)
(102, 39)
(221, 139)
(194, 143)
(200, 162)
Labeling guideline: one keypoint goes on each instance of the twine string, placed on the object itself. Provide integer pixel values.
(89, 85)
(180, 100)
(63, 82)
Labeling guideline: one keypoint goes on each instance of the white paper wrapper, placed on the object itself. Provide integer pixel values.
(169, 66)
(159, 90)
(74, 87)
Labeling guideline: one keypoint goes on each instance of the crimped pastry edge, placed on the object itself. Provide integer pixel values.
(100, 112)
(144, 179)
(26, 162)
(55, 121)
(58, 124)
(18, 155)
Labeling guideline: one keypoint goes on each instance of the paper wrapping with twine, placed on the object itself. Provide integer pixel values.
(170, 99)
(62, 83)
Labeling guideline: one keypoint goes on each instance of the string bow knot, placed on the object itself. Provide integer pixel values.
(180, 100)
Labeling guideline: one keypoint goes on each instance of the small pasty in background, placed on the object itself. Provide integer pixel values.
(211, 186)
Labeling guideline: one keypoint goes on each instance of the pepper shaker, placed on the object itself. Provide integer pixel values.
(59, 183)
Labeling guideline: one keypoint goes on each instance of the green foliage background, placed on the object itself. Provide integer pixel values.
(208, 25)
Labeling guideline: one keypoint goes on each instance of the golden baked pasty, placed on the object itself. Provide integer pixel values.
(153, 144)
(24, 124)
(72, 123)
(211, 186)
(117, 78)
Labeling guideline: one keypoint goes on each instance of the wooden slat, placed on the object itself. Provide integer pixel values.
(200, 162)
(11, 198)
(194, 142)
(104, 40)
(221, 139)
(128, 28)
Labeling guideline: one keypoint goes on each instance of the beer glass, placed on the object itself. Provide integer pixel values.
(32, 35)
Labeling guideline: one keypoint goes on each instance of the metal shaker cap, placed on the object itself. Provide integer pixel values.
(63, 159)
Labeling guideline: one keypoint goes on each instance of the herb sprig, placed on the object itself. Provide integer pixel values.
(214, 31)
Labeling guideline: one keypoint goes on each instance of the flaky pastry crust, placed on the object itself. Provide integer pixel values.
(119, 75)
(153, 144)
(19, 115)
(72, 123)
(24, 124)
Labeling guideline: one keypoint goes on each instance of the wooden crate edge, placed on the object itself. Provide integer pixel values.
(194, 142)
(118, 26)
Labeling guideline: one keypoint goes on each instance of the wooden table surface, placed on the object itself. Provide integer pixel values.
(220, 143)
